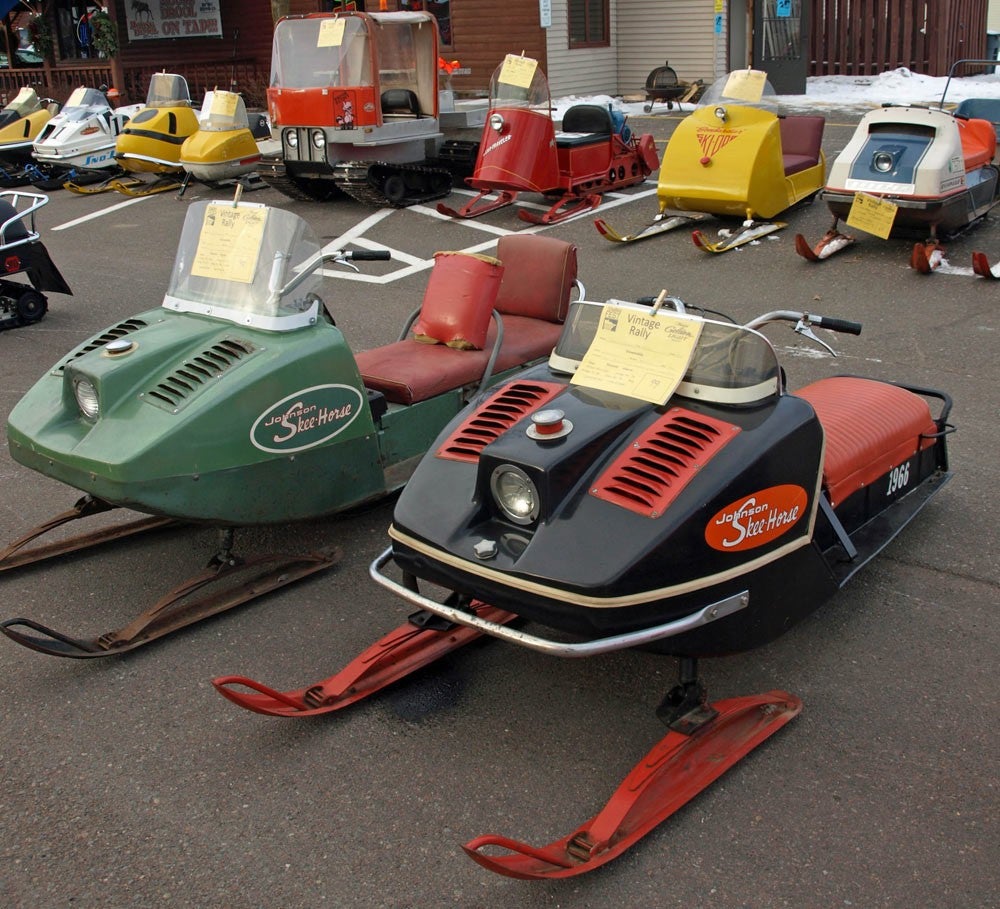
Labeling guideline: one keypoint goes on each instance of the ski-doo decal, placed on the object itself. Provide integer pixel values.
(757, 519)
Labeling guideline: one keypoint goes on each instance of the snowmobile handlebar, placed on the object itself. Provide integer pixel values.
(367, 255)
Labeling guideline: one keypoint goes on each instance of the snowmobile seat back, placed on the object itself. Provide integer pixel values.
(583, 124)
(409, 371)
(539, 276)
(864, 443)
(400, 102)
(980, 109)
(979, 142)
(458, 301)
(801, 141)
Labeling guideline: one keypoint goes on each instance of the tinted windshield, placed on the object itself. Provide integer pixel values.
(235, 262)
(730, 364)
(167, 90)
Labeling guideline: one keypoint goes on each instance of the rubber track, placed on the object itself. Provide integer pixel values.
(352, 178)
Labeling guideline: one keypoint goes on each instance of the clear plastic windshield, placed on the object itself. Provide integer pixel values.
(223, 111)
(743, 86)
(25, 102)
(730, 364)
(83, 103)
(167, 90)
(321, 51)
(519, 82)
(247, 264)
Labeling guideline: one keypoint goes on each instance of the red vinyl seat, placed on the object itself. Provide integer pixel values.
(870, 427)
(533, 299)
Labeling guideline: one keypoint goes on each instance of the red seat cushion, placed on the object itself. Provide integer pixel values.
(870, 427)
(407, 372)
(979, 142)
(801, 140)
(458, 302)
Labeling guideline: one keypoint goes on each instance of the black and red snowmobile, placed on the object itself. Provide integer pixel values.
(655, 484)
(23, 252)
(595, 151)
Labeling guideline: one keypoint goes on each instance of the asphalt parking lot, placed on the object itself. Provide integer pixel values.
(128, 781)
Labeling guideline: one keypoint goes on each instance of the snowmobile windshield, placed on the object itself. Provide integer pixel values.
(746, 87)
(167, 90)
(317, 52)
(519, 82)
(83, 103)
(247, 264)
(222, 112)
(730, 364)
(25, 102)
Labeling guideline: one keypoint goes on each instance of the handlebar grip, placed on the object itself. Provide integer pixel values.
(369, 255)
(844, 325)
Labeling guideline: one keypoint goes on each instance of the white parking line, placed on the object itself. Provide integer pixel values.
(101, 213)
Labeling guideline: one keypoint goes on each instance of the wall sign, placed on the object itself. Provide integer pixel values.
(155, 19)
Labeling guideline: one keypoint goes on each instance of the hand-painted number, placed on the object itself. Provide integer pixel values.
(898, 478)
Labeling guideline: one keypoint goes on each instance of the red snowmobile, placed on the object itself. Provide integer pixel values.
(653, 485)
(520, 151)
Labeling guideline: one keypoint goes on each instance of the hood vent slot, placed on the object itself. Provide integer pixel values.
(651, 473)
(494, 417)
(112, 334)
(198, 371)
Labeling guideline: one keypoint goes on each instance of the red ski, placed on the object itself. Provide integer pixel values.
(832, 242)
(927, 257)
(668, 777)
(419, 641)
(981, 266)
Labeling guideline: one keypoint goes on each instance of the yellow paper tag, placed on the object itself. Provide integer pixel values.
(637, 354)
(229, 243)
(331, 33)
(872, 215)
(223, 103)
(517, 71)
(745, 84)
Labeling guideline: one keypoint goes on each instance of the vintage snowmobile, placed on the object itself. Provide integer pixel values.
(520, 150)
(911, 170)
(150, 143)
(21, 120)
(242, 357)
(653, 485)
(225, 148)
(354, 98)
(22, 252)
(78, 143)
(734, 157)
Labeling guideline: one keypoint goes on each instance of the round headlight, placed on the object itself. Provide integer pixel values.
(318, 138)
(515, 494)
(720, 112)
(86, 398)
(496, 122)
(883, 162)
(291, 138)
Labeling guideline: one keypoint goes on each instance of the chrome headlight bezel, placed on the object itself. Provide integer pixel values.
(515, 494)
(883, 162)
(318, 138)
(497, 122)
(291, 138)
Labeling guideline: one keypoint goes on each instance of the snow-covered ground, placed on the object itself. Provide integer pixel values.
(898, 85)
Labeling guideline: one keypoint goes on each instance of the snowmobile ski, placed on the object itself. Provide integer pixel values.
(472, 208)
(659, 225)
(676, 769)
(927, 257)
(419, 641)
(568, 206)
(981, 265)
(171, 612)
(747, 233)
(832, 242)
(16, 556)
